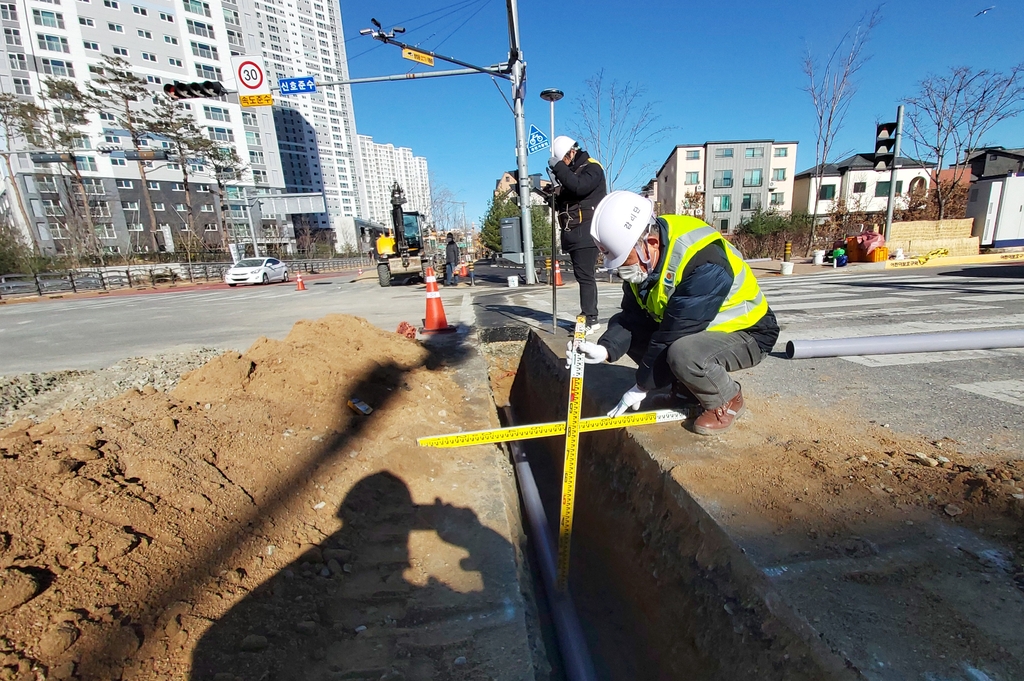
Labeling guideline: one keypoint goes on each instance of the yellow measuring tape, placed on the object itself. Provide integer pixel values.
(572, 446)
(550, 429)
(571, 428)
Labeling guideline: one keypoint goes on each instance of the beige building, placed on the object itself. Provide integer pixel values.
(855, 183)
(725, 182)
(507, 187)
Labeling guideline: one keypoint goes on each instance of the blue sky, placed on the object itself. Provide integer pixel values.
(717, 70)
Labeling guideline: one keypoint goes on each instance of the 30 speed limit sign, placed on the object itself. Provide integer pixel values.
(251, 76)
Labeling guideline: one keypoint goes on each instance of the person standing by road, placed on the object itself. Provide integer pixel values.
(451, 261)
(581, 186)
(692, 310)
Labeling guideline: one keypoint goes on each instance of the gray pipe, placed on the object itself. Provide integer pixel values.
(911, 342)
(571, 644)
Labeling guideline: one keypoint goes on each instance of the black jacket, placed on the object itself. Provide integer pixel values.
(703, 287)
(451, 253)
(582, 188)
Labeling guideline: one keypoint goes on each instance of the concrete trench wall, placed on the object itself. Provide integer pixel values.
(653, 575)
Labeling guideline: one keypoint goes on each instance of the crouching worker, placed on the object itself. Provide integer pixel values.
(692, 310)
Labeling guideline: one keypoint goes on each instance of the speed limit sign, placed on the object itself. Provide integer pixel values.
(251, 77)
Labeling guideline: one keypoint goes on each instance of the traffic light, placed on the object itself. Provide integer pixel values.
(145, 155)
(208, 88)
(52, 158)
(885, 146)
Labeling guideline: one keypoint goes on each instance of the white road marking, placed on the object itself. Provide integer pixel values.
(1011, 391)
(991, 297)
(467, 315)
(859, 302)
(907, 311)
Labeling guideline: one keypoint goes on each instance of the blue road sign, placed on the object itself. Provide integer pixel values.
(538, 140)
(297, 86)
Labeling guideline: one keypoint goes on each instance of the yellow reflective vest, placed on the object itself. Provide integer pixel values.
(745, 304)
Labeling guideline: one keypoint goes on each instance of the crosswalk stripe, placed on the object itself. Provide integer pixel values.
(842, 303)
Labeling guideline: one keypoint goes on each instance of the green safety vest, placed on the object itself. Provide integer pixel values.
(745, 304)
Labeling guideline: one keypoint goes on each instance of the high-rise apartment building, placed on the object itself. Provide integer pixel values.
(725, 182)
(165, 41)
(385, 164)
(317, 131)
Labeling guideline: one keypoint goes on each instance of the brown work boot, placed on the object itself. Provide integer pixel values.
(715, 421)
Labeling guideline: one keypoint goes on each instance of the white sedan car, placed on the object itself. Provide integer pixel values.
(256, 271)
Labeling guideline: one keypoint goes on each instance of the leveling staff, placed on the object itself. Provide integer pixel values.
(692, 310)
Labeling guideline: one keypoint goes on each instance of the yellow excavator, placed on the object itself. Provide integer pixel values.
(399, 251)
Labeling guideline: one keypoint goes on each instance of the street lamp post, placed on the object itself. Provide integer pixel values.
(551, 96)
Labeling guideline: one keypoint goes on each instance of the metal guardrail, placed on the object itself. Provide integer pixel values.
(135, 276)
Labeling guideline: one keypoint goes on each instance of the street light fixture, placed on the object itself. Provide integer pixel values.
(551, 95)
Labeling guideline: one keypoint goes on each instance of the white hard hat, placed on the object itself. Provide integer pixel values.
(561, 146)
(619, 221)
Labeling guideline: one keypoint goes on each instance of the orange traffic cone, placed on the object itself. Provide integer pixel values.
(299, 286)
(435, 321)
(463, 272)
(558, 274)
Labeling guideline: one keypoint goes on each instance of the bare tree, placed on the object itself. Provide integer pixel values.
(615, 124)
(951, 113)
(831, 87)
(13, 112)
(117, 89)
(444, 209)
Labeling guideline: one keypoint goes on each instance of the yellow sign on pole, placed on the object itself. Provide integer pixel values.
(417, 56)
(256, 100)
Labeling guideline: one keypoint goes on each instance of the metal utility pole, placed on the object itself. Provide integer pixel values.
(518, 66)
(551, 96)
(892, 174)
(514, 71)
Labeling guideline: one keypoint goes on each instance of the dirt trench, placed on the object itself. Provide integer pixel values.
(790, 548)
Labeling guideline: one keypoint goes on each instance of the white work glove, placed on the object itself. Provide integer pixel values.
(553, 161)
(631, 400)
(592, 353)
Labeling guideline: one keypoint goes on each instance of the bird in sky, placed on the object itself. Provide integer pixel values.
(984, 11)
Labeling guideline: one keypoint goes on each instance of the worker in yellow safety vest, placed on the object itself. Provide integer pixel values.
(692, 310)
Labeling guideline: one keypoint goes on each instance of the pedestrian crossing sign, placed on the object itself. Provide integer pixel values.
(538, 140)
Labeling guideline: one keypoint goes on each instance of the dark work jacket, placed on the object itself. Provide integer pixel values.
(451, 253)
(582, 188)
(703, 287)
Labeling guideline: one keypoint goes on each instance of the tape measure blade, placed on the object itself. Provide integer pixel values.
(572, 439)
(482, 437)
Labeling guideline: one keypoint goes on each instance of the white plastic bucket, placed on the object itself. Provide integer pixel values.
(819, 257)
(899, 254)
(786, 268)
(513, 282)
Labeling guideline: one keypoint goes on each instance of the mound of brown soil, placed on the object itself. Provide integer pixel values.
(127, 529)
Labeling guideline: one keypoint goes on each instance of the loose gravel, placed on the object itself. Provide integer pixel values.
(38, 396)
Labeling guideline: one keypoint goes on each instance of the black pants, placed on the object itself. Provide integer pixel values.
(584, 262)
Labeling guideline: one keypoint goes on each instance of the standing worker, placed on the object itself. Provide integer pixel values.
(581, 187)
(692, 310)
(451, 261)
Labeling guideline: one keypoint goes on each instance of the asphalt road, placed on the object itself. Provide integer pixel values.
(968, 395)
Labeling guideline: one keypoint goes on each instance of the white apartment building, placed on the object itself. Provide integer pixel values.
(317, 131)
(725, 182)
(383, 166)
(166, 41)
(855, 182)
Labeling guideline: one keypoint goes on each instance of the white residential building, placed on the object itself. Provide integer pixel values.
(166, 41)
(725, 182)
(383, 166)
(855, 182)
(317, 131)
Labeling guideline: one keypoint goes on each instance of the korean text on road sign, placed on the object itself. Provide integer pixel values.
(251, 78)
(538, 140)
(417, 56)
(296, 86)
